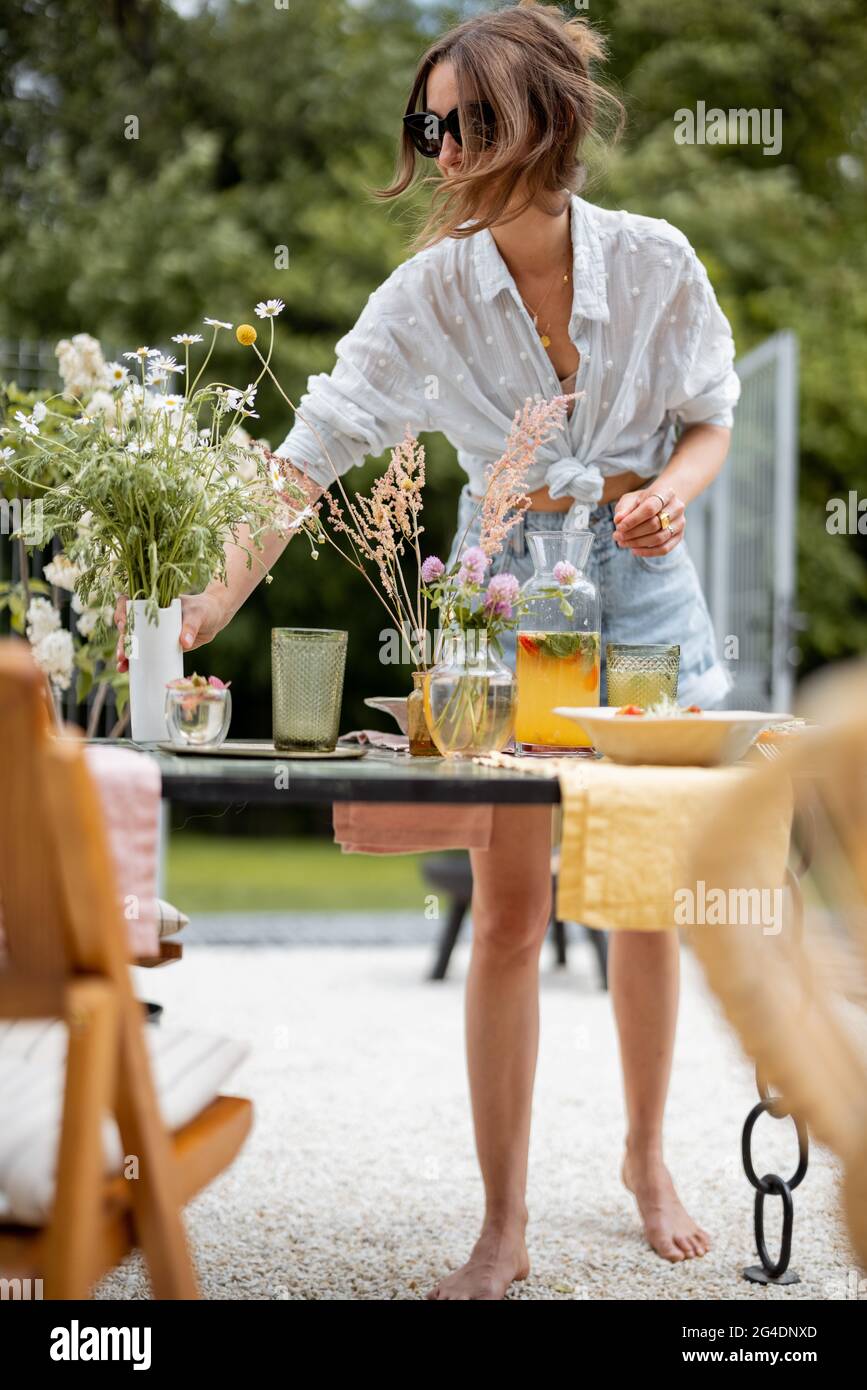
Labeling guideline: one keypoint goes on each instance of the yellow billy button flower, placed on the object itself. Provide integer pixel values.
(246, 334)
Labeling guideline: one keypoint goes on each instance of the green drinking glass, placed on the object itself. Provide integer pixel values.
(307, 666)
(641, 675)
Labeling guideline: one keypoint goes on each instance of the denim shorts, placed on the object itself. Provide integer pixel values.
(642, 600)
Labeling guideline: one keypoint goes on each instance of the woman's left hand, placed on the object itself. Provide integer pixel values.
(649, 523)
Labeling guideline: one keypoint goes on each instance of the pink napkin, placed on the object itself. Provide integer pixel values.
(399, 827)
(375, 738)
(129, 784)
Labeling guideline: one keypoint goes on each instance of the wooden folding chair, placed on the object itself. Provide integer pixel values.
(67, 959)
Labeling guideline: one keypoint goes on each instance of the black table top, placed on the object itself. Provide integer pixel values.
(379, 776)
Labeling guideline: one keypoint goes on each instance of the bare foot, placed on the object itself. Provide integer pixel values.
(667, 1224)
(497, 1260)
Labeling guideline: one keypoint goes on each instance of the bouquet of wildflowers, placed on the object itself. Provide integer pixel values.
(150, 476)
(478, 608)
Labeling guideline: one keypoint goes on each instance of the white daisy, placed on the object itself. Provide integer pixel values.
(116, 374)
(187, 339)
(242, 400)
(299, 518)
(270, 308)
(275, 476)
(26, 423)
(168, 402)
(40, 410)
(167, 364)
(216, 323)
(6, 454)
(141, 353)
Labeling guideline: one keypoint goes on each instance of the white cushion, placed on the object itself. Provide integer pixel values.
(189, 1069)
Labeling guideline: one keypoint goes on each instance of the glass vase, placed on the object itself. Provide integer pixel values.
(559, 646)
(470, 699)
(421, 745)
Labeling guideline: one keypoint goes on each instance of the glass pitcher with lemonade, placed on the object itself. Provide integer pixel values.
(559, 649)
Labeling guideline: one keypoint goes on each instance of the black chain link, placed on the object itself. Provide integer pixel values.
(772, 1183)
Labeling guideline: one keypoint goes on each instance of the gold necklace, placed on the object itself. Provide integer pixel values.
(543, 334)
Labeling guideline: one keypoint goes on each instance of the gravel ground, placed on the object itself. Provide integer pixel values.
(359, 1180)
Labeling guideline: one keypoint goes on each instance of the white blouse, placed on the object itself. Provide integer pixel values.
(447, 344)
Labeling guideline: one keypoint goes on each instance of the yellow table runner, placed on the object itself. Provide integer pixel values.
(628, 834)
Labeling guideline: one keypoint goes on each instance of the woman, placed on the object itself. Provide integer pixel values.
(523, 288)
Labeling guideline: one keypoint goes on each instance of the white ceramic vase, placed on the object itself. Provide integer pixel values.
(155, 657)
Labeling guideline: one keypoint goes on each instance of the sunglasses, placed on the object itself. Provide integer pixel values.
(427, 131)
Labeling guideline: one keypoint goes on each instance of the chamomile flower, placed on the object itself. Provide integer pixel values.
(270, 308)
(187, 339)
(216, 323)
(168, 402)
(141, 354)
(26, 422)
(167, 364)
(242, 400)
(116, 374)
(6, 455)
(40, 410)
(299, 518)
(275, 476)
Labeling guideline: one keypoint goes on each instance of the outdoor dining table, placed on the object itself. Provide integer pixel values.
(380, 776)
(384, 776)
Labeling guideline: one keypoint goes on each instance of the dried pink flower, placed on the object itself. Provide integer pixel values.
(505, 495)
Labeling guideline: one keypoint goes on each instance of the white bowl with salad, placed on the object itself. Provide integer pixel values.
(670, 734)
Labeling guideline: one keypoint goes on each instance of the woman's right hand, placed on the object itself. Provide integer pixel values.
(202, 617)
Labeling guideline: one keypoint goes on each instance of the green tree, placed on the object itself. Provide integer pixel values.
(260, 129)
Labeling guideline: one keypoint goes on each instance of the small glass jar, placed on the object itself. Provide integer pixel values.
(421, 745)
(470, 698)
(198, 718)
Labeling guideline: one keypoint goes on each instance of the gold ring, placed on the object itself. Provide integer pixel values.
(664, 520)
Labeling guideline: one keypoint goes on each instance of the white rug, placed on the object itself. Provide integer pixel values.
(359, 1180)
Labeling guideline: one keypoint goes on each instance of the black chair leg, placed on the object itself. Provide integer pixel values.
(448, 938)
(599, 942)
(559, 930)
